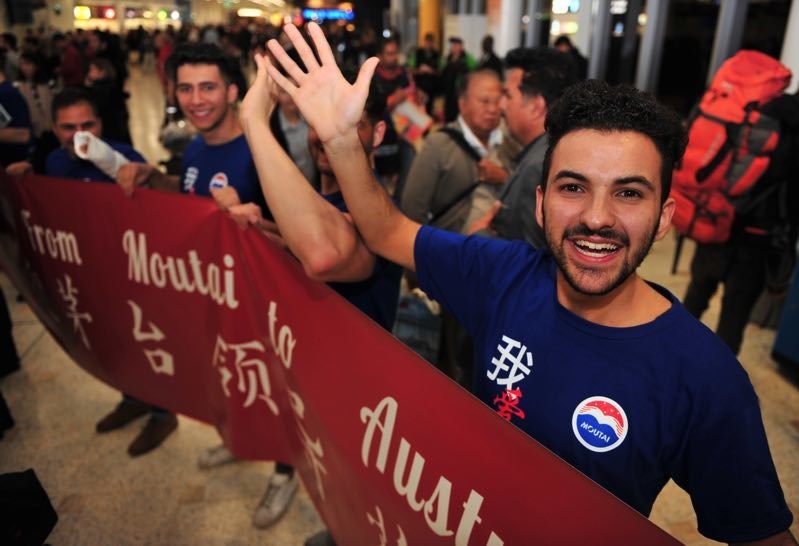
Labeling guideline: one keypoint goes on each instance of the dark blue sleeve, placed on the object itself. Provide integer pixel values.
(17, 108)
(726, 465)
(134, 156)
(462, 273)
(53, 166)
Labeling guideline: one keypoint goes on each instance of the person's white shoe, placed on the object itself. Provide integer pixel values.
(215, 456)
(276, 499)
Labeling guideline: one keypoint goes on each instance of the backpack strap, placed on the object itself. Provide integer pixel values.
(724, 150)
(460, 140)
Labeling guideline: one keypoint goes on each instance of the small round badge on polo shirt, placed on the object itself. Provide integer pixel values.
(218, 181)
(600, 423)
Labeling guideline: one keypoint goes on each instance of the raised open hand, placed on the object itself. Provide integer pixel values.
(330, 104)
(261, 98)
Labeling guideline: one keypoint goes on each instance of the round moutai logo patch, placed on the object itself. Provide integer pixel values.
(599, 423)
(218, 181)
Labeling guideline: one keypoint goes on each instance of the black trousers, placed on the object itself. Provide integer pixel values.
(742, 271)
(9, 360)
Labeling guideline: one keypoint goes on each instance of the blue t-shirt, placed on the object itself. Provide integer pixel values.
(61, 163)
(15, 106)
(204, 166)
(629, 407)
(376, 296)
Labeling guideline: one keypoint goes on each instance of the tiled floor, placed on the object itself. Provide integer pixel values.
(105, 498)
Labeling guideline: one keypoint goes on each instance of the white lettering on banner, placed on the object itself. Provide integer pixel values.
(183, 274)
(437, 506)
(283, 344)
(70, 296)
(377, 521)
(313, 448)
(59, 245)
(161, 361)
(252, 374)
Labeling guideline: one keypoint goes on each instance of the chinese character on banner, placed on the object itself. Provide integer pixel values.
(517, 370)
(377, 521)
(252, 375)
(70, 296)
(507, 404)
(313, 448)
(161, 362)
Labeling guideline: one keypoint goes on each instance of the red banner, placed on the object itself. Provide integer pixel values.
(163, 297)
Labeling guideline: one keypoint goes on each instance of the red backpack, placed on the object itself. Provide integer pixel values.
(729, 145)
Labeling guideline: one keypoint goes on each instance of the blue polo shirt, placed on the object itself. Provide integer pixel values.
(17, 109)
(628, 407)
(376, 296)
(61, 163)
(204, 166)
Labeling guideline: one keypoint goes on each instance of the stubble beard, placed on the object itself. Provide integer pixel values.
(628, 266)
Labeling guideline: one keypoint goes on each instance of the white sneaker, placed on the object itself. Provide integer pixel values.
(276, 500)
(215, 456)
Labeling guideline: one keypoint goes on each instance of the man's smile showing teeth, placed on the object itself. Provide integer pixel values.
(595, 249)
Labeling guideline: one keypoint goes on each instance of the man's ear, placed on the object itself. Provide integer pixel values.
(232, 93)
(378, 134)
(664, 223)
(540, 105)
(539, 206)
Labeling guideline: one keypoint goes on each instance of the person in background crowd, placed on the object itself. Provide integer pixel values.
(38, 87)
(70, 61)
(452, 181)
(15, 122)
(759, 237)
(8, 45)
(591, 340)
(110, 99)
(164, 46)
(564, 45)
(291, 132)
(489, 60)
(397, 82)
(457, 64)
(534, 80)
(423, 62)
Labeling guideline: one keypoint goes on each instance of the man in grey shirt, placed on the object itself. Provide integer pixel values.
(534, 79)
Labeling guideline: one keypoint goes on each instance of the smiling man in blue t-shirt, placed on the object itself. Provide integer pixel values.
(218, 161)
(605, 369)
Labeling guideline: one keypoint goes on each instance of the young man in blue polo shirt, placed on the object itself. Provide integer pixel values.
(218, 161)
(74, 111)
(605, 369)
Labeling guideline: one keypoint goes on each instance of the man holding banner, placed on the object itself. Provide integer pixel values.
(318, 231)
(605, 369)
(83, 155)
(218, 161)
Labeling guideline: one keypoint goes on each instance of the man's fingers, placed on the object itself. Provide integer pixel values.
(288, 65)
(322, 47)
(271, 85)
(261, 62)
(365, 76)
(302, 47)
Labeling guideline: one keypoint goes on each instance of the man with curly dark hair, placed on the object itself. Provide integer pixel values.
(605, 369)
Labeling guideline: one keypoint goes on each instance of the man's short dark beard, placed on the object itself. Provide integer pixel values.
(628, 267)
